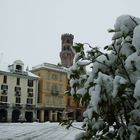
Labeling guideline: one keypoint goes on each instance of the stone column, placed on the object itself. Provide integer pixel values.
(42, 115)
(50, 115)
(64, 115)
(23, 113)
(56, 114)
(9, 114)
(34, 115)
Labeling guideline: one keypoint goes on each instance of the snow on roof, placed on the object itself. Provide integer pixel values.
(49, 66)
(32, 75)
(4, 67)
(18, 62)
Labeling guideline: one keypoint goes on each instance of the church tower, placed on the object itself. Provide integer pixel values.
(66, 54)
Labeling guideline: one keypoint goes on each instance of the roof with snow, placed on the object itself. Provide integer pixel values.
(49, 66)
(17, 68)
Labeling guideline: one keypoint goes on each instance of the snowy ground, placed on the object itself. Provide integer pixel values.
(36, 131)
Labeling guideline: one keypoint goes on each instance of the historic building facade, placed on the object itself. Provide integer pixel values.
(52, 101)
(18, 95)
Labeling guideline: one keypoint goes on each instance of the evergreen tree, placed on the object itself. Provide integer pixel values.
(110, 90)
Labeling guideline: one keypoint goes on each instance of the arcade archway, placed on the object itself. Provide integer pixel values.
(3, 115)
(15, 115)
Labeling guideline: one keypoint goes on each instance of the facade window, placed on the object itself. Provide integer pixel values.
(54, 101)
(30, 92)
(5, 79)
(60, 88)
(29, 101)
(3, 98)
(69, 102)
(18, 100)
(18, 81)
(48, 87)
(54, 77)
(17, 91)
(48, 76)
(54, 89)
(47, 100)
(68, 41)
(61, 77)
(4, 87)
(30, 83)
(60, 101)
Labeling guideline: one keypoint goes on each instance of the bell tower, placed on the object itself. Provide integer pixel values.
(66, 54)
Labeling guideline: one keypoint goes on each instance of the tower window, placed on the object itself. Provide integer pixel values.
(68, 48)
(68, 41)
(64, 48)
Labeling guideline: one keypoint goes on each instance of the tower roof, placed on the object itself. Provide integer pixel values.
(63, 36)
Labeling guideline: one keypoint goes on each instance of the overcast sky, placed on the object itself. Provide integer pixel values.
(30, 30)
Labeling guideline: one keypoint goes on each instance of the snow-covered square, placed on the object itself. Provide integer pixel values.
(37, 131)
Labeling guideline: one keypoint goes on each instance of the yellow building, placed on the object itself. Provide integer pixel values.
(18, 93)
(52, 101)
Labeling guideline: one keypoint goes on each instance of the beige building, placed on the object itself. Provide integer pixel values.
(52, 101)
(18, 96)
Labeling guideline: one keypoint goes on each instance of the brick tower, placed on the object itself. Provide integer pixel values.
(66, 54)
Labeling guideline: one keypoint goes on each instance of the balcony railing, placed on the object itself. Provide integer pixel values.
(30, 94)
(55, 92)
(30, 106)
(4, 104)
(4, 87)
(4, 92)
(39, 105)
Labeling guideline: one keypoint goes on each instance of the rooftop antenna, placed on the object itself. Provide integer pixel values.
(27, 68)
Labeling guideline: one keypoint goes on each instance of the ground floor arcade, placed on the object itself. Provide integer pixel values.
(17, 114)
(56, 114)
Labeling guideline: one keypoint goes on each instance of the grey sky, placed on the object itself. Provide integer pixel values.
(31, 30)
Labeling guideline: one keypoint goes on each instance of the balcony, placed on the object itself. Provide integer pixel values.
(4, 87)
(55, 92)
(17, 94)
(30, 106)
(19, 72)
(30, 94)
(4, 104)
(4, 92)
(40, 105)
(17, 105)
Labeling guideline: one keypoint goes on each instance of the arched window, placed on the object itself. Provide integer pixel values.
(68, 41)
(18, 67)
